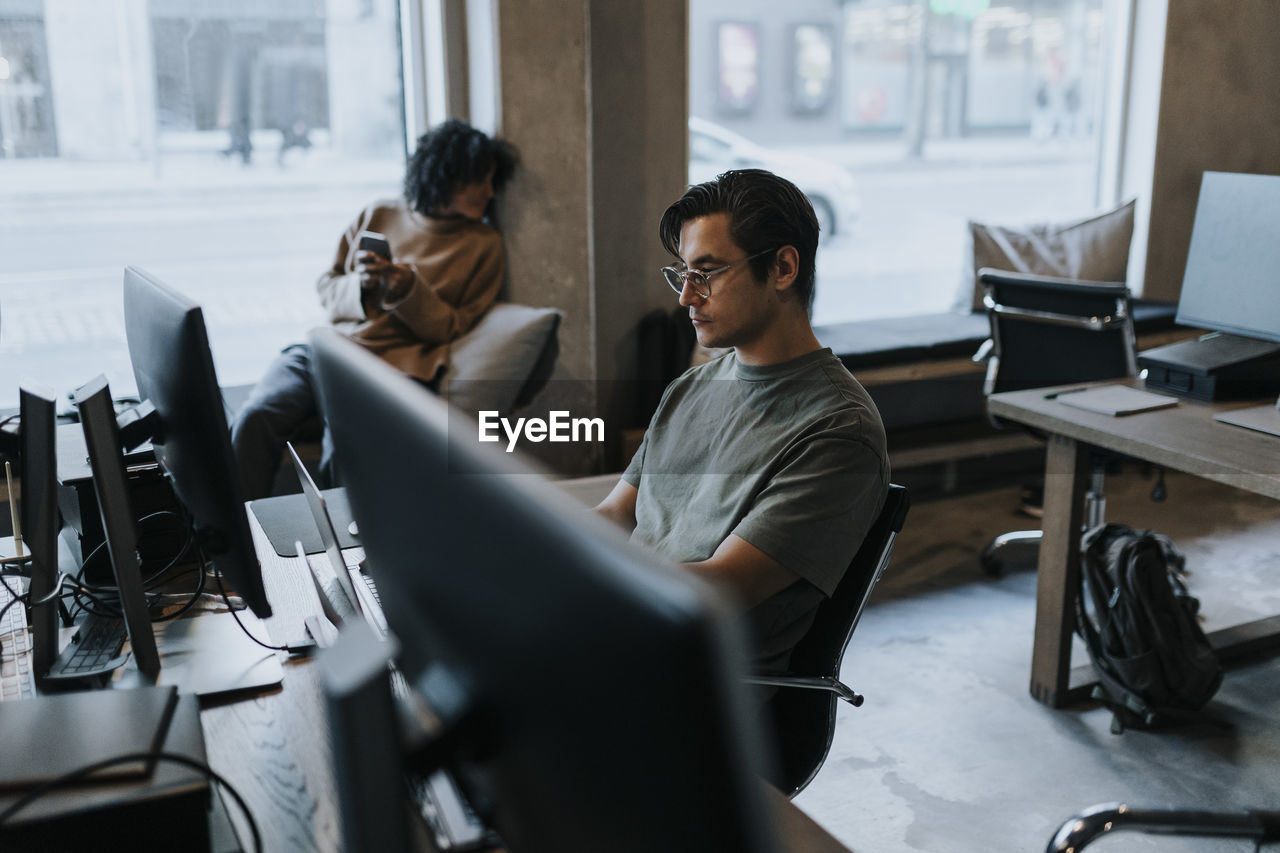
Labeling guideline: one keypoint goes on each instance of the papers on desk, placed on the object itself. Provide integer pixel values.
(1115, 399)
(1264, 418)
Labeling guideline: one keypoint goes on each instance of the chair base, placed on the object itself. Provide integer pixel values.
(990, 559)
(1095, 511)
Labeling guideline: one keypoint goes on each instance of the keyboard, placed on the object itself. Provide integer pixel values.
(94, 649)
(373, 589)
(354, 559)
(17, 681)
(454, 825)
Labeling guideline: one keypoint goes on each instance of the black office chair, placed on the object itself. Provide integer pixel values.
(803, 711)
(1260, 827)
(1054, 331)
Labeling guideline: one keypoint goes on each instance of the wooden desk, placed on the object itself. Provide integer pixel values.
(1182, 438)
(275, 748)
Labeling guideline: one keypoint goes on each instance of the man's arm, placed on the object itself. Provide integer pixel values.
(741, 569)
(737, 567)
(620, 506)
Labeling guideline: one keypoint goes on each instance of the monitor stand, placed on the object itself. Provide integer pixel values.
(209, 655)
(1215, 366)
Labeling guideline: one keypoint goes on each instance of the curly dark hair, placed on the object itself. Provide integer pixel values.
(452, 155)
(765, 212)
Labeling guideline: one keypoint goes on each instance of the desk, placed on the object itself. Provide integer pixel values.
(275, 748)
(1182, 438)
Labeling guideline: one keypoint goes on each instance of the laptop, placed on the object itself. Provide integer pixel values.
(345, 590)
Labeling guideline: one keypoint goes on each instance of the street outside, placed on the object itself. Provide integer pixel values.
(248, 244)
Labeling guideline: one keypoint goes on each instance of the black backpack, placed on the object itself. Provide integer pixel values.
(1154, 664)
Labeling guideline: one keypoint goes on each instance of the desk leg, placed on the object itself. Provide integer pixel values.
(1065, 481)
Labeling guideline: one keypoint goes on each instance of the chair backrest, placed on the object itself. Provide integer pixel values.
(1052, 331)
(805, 720)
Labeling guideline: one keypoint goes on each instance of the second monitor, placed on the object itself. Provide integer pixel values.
(169, 347)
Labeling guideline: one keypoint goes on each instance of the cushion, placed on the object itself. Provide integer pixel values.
(504, 361)
(1092, 249)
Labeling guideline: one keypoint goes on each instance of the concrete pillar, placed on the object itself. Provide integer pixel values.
(1219, 109)
(594, 94)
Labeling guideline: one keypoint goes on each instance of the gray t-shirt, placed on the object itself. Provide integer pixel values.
(790, 457)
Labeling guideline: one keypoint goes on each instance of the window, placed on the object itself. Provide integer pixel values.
(223, 146)
(903, 119)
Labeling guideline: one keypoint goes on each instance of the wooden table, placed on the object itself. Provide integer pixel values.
(275, 748)
(1182, 438)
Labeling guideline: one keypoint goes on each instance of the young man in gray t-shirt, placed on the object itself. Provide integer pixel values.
(763, 470)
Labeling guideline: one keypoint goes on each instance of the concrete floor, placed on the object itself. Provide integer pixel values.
(950, 753)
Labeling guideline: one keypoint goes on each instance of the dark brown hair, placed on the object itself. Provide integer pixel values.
(765, 212)
(450, 156)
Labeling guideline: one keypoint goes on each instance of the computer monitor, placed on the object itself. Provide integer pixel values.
(592, 693)
(172, 363)
(209, 654)
(1230, 280)
(37, 407)
(106, 458)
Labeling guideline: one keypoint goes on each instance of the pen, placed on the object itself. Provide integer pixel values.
(13, 509)
(1053, 394)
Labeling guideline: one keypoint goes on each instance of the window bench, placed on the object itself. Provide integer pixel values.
(921, 373)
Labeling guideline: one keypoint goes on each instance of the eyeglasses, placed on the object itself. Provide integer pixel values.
(699, 280)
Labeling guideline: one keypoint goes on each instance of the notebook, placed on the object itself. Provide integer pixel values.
(1264, 418)
(1115, 400)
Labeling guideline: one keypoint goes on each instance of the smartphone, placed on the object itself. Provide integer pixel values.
(372, 241)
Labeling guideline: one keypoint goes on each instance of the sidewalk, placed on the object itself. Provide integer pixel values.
(891, 154)
(188, 174)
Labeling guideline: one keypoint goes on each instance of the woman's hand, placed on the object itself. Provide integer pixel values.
(385, 279)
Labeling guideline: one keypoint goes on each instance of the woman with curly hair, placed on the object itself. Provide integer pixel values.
(445, 270)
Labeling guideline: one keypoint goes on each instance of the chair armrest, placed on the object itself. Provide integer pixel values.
(825, 683)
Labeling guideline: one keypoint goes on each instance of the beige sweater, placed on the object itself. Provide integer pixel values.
(458, 268)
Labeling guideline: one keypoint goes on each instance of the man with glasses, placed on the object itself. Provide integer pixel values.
(762, 470)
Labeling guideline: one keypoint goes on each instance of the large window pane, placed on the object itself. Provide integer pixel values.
(223, 146)
(902, 119)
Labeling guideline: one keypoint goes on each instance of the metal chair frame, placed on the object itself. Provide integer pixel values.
(1078, 832)
(1118, 321)
(864, 572)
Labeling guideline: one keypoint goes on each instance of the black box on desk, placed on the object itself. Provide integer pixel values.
(1222, 367)
(159, 539)
(167, 810)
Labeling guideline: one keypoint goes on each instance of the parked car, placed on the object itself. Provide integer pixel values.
(829, 186)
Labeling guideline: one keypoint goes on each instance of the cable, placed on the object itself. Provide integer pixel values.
(15, 599)
(4, 580)
(5, 609)
(52, 595)
(105, 597)
(182, 552)
(195, 596)
(303, 648)
(217, 574)
(89, 769)
(101, 606)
